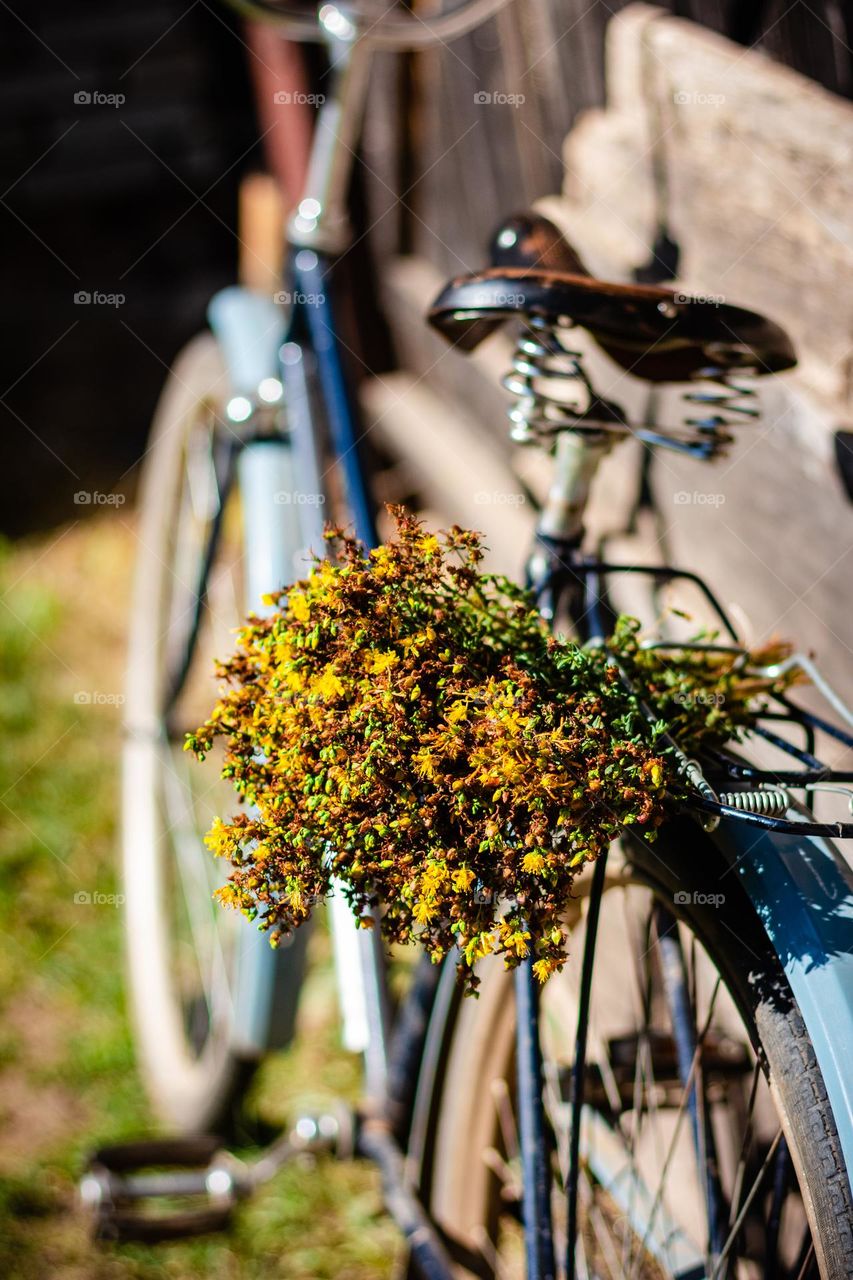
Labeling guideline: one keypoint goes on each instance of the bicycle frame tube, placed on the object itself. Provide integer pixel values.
(249, 329)
(314, 316)
(266, 473)
(313, 352)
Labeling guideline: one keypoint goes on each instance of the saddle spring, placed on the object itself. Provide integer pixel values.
(552, 392)
(721, 405)
(536, 414)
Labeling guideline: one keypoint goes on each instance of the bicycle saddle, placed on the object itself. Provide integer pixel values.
(655, 333)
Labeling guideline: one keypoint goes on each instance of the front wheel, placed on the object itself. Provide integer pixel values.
(209, 995)
(706, 1147)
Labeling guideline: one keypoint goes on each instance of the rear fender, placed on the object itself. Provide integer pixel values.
(802, 889)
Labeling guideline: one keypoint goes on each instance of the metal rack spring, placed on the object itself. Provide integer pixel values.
(772, 801)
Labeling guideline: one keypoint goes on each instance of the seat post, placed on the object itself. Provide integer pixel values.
(577, 456)
(560, 527)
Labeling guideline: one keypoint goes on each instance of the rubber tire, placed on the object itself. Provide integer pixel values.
(190, 1094)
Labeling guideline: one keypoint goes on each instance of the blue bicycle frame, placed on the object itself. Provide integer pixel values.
(800, 887)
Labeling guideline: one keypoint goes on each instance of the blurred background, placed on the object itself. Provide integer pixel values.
(126, 137)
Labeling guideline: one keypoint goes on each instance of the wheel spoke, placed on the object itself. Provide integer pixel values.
(193, 869)
(508, 1177)
(688, 1047)
(506, 1117)
(781, 1178)
(579, 1067)
(602, 1235)
(746, 1144)
(807, 1260)
(682, 1109)
(736, 1225)
(535, 1156)
(489, 1253)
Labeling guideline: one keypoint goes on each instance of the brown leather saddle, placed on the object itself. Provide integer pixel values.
(654, 333)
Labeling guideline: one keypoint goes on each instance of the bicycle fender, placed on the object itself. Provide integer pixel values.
(249, 328)
(802, 889)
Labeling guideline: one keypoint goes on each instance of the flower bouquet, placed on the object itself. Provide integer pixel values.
(405, 727)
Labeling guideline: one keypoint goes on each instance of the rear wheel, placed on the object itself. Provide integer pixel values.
(208, 993)
(707, 1145)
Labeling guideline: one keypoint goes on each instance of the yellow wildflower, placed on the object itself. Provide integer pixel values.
(219, 839)
(328, 685)
(424, 762)
(544, 968)
(379, 662)
(434, 876)
(381, 558)
(533, 862)
(229, 895)
(516, 940)
(424, 911)
(481, 945)
(457, 712)
(299, 606)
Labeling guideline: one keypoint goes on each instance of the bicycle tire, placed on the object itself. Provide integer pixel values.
(192, 1087)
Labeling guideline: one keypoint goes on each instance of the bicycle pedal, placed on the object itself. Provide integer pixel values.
(162, 1189)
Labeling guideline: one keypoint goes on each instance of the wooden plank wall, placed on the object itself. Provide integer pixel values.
(470, 161)
(760, 202)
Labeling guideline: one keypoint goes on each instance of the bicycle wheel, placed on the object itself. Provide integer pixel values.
(209, 995)
(730, 1169)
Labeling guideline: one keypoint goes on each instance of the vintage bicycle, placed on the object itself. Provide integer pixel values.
(677, 1102)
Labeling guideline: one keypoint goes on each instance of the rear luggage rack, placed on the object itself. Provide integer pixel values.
(724, 785)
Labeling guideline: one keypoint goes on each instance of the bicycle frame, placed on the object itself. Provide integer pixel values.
(801, 908)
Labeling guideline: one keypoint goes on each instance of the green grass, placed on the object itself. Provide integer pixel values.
(67, 1075)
